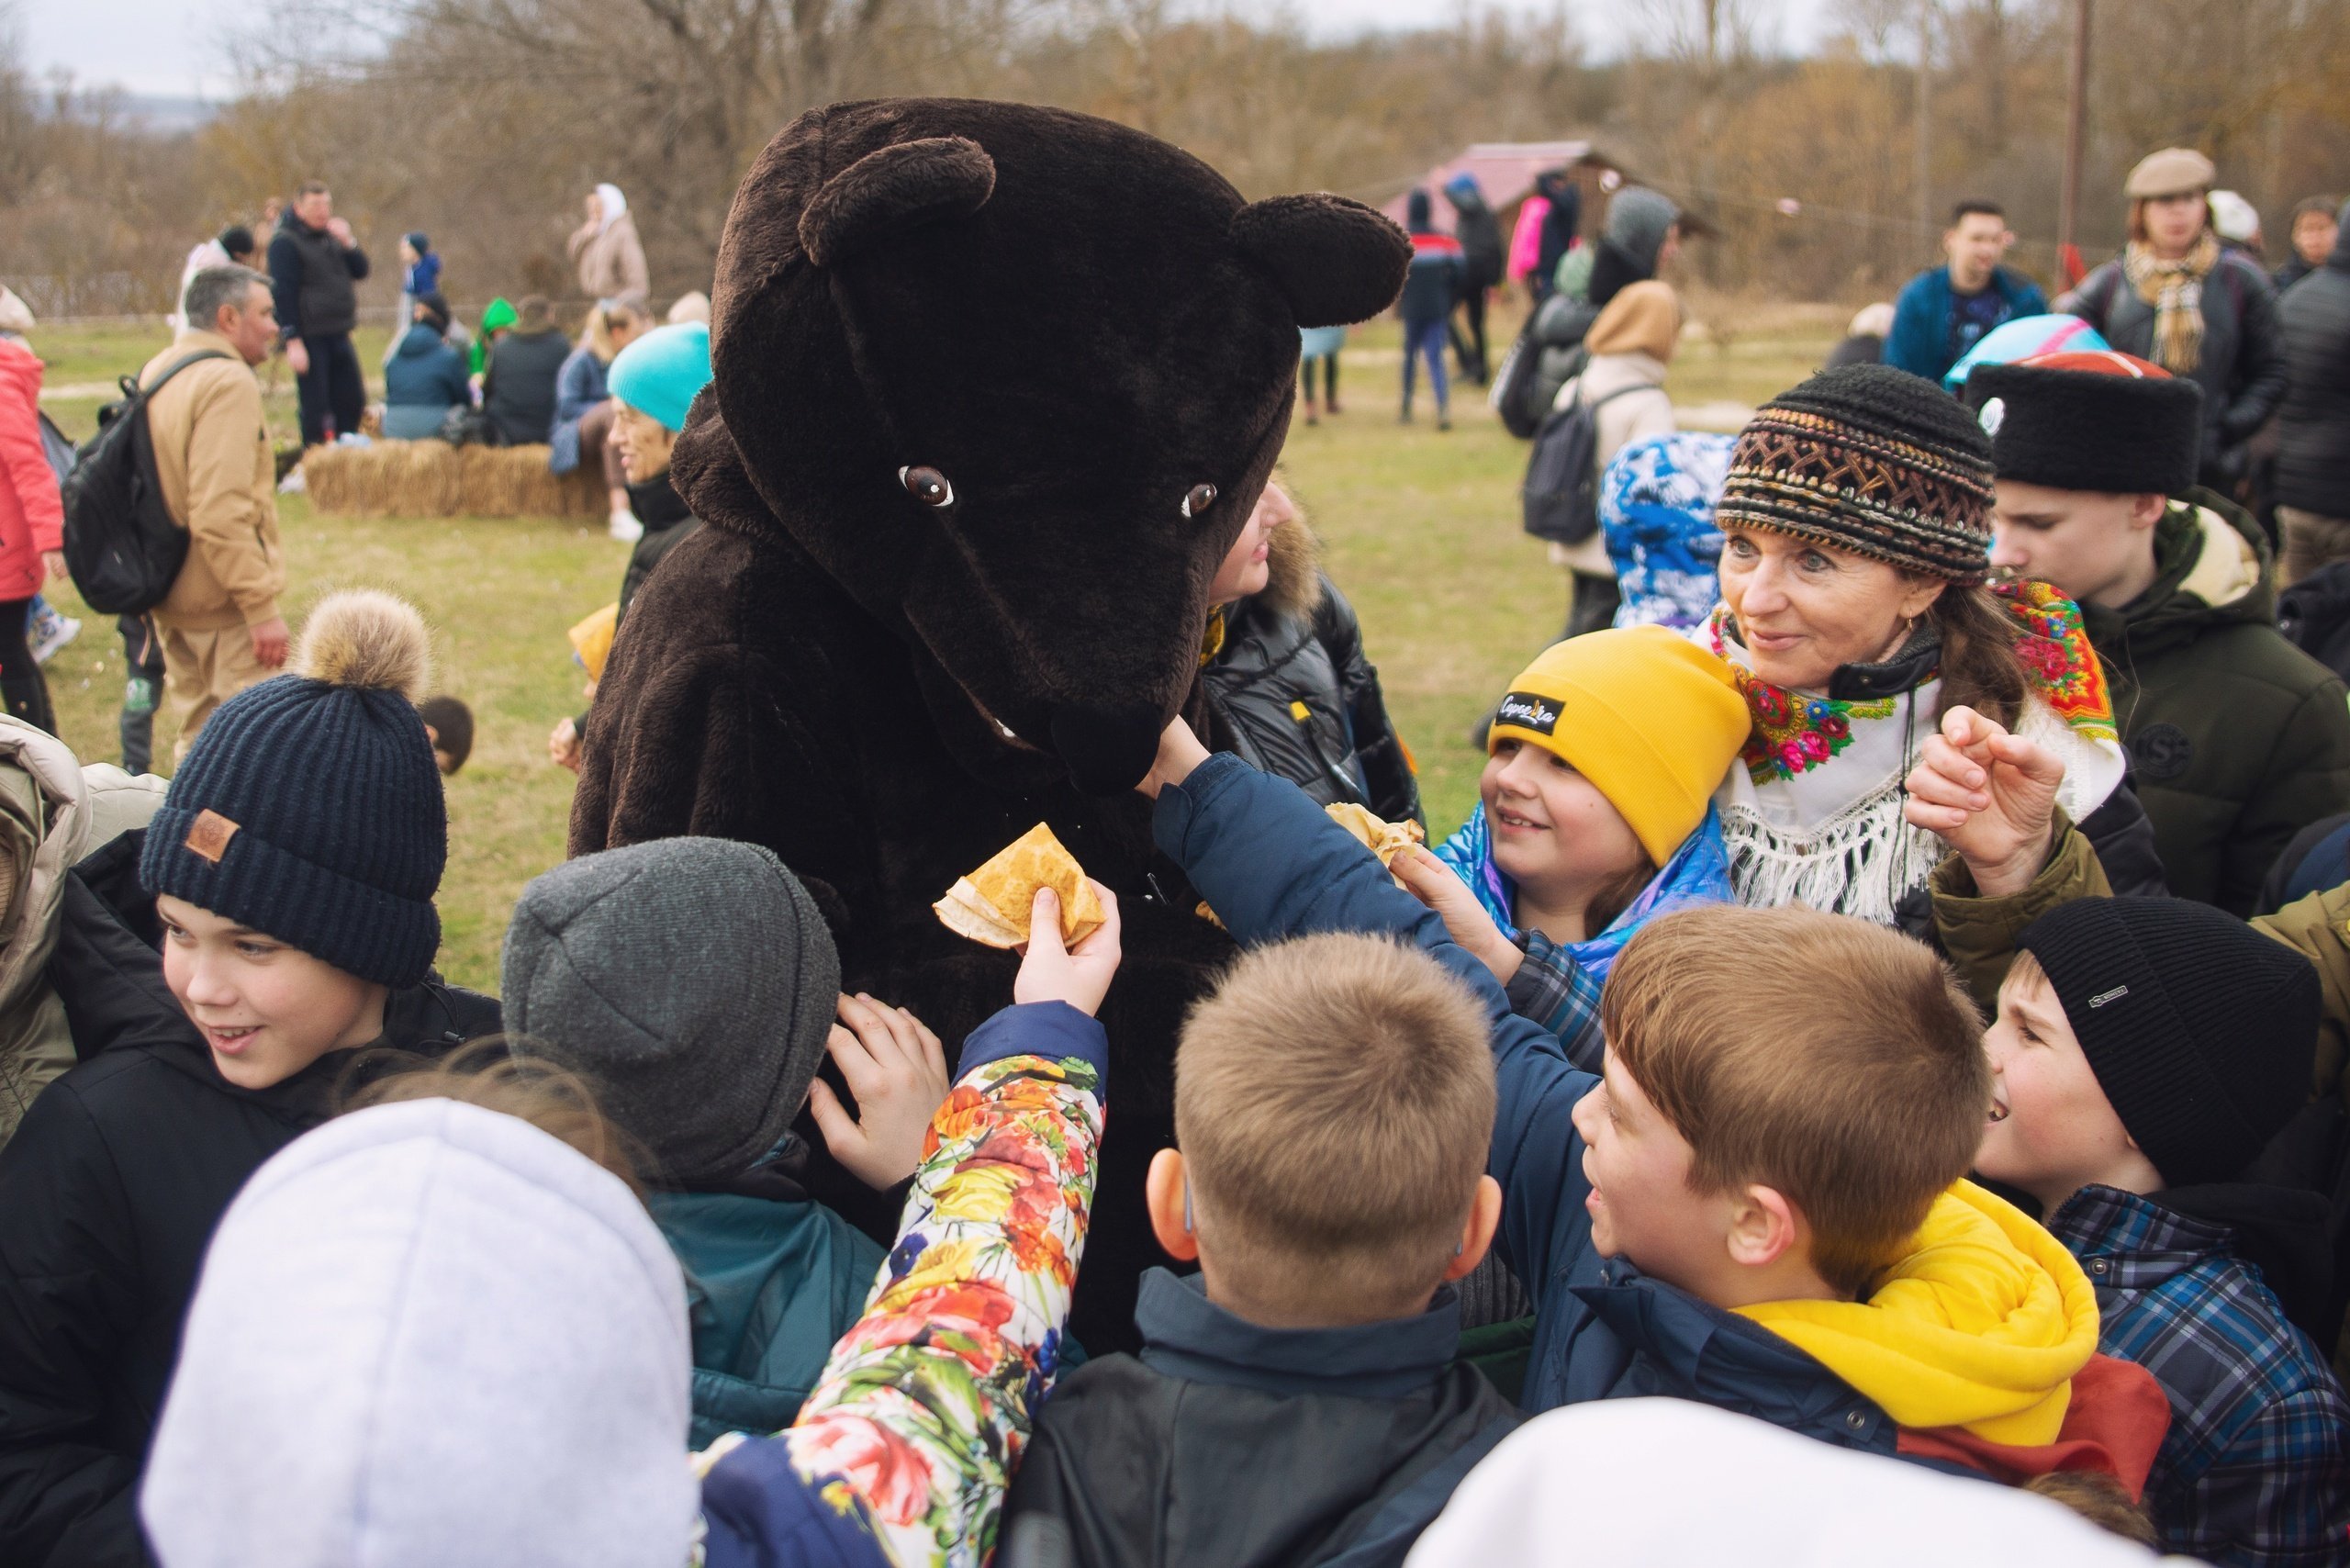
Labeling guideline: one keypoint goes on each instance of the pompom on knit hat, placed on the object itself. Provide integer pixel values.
(2103, 420)
(2201, 1030)
(1870, 460)
(1651, 719)
(692, 978)
(309, 807)
(660, 371)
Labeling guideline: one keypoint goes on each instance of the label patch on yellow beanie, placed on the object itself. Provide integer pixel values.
(1528, 712)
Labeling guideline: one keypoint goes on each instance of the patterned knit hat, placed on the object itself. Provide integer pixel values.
(309, 807)
(1870, 460)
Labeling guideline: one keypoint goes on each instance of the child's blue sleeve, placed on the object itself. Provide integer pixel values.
(1272, 866)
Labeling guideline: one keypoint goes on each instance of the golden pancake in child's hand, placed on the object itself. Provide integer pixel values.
(992, 904)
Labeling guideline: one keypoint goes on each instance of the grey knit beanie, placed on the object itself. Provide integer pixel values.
(1638, 220)
(692, 978)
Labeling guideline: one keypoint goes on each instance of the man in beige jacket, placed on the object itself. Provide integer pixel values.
(221, 629)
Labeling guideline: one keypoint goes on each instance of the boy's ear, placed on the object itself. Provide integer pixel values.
(1477, 1230)
(1762, 1227)
(1164, 1193)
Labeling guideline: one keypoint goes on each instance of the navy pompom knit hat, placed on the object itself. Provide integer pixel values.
(309, 807)
(1872, 460)
(2201, 1030)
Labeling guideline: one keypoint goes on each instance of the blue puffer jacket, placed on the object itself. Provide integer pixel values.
(1272, 866)
(771, 1287)
(578, 387)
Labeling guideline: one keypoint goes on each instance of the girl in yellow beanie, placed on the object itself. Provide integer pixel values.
(1595, 811)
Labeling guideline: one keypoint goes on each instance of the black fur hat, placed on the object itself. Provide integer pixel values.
(2104, 421)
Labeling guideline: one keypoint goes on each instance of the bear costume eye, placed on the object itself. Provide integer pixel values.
(927, 486)
(1198, 499)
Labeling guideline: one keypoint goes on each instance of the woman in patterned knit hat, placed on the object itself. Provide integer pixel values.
(1854, 614)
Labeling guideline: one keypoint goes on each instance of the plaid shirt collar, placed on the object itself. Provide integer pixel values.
(2129, 1242)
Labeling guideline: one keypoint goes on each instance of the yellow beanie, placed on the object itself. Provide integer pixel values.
(1652, 720)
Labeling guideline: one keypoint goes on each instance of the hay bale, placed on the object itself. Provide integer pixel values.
(432, 478)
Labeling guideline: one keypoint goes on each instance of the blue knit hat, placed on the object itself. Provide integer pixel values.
(659, 373)
(309, 807)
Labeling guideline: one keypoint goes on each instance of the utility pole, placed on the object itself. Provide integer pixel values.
(1922, 136)
(2068, 211)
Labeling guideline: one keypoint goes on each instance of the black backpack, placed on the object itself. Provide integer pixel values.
(1562, 488)
(122, 548)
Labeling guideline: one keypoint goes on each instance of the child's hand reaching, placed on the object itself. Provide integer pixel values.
(1432, 882)
(1992, 798)
(1080, 975)
(1180, 751)
(897, 1069)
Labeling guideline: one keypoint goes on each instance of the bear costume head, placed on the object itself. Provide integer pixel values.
(1013, 378)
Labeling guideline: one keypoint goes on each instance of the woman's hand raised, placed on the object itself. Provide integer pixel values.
(1991, 796)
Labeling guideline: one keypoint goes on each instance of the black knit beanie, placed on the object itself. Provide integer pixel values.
(2201, 1030)
(309, 807)
(2107, 422)
(1872, 460)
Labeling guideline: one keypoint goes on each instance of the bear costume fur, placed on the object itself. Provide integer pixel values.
(994, 389)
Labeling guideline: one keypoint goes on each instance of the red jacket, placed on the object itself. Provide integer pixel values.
(32, 518)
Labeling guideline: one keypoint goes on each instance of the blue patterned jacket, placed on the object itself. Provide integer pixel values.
(2256, 1469)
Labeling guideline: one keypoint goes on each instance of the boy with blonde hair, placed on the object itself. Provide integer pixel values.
(1296, 1399)
(1759, 1205)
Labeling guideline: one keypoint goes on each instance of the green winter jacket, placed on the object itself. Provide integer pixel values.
(2238, 739)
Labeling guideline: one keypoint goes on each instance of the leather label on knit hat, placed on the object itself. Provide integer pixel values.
(209, 834)
(1524, 710)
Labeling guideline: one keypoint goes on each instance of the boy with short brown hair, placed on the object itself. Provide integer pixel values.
(1684, 1223)
(1297, 1398)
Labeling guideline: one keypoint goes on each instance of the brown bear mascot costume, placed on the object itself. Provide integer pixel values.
(994, 389)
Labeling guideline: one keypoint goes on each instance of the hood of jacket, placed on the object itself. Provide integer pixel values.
(477, 1355)
(1981, 1326)
(419, 341)
(2212, 569)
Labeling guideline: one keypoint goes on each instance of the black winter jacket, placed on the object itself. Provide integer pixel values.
(311, 278)
(2313, 425)
(1227, 1445)
(1296, 645)
(109, 1194)
(1480, 234)
(518, 392)
(2243, 368)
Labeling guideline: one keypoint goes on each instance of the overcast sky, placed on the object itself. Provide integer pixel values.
(176, 47)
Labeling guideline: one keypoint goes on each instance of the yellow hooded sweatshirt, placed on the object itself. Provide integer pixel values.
(1981, 1326)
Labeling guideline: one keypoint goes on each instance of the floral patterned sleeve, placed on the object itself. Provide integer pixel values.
(925, 1404)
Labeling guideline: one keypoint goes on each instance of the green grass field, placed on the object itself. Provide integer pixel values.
(1420, 529)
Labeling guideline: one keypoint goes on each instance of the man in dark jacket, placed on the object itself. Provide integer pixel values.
(1289, 681)
(517, 394)
(294, 940)
(2313, 477)
(2317, 226)
(2238, 740)
(1480, 234)
(313, 261)
(1299, 1401)
(1943, 313)
(425, 378)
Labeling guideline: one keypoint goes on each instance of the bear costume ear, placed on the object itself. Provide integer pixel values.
(1338, 261)
(896, 188)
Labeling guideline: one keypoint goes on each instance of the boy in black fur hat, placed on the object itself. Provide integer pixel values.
(2238, 740)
